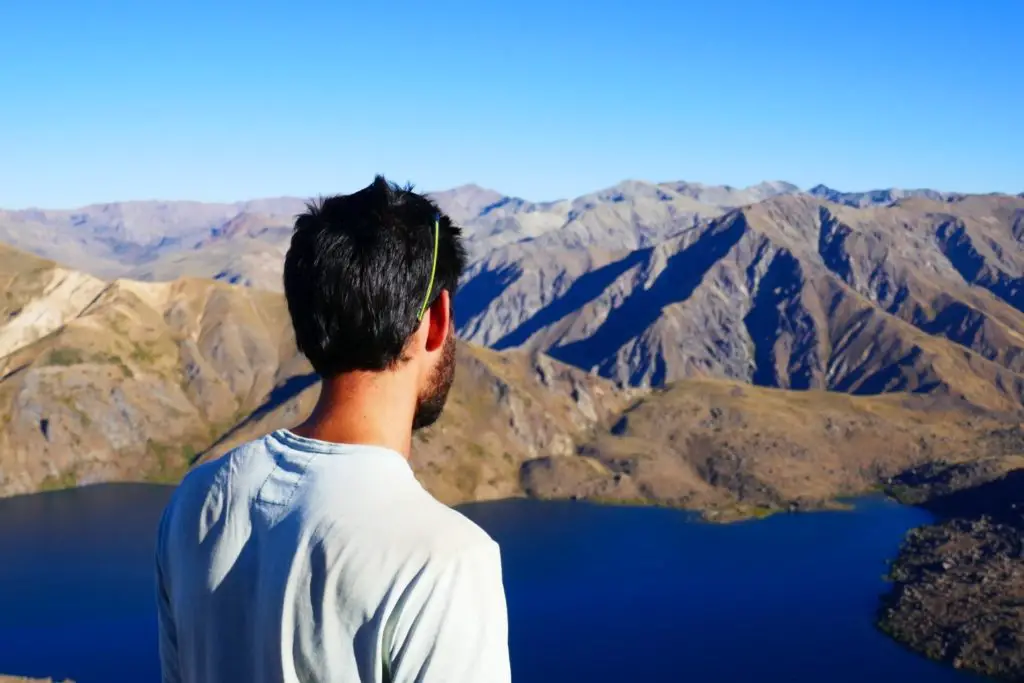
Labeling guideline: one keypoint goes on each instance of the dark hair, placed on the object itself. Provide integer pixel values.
(357, 273)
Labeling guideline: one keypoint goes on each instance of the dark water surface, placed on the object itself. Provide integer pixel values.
(595, 593)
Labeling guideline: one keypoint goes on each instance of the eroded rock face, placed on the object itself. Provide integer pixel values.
(146, 378)
(107, 381)
(918, 294)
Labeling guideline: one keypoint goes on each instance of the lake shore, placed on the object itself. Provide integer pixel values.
(958, 584)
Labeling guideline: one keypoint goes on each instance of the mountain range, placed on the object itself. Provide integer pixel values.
(648, 283)
(717, 348)
(735, 351)
(242, 242)
(125, 380)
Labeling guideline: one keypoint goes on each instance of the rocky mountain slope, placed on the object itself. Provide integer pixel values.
(109, 380)
(791, 292)
(106, 381)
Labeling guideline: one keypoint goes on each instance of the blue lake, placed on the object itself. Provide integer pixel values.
(595, 593)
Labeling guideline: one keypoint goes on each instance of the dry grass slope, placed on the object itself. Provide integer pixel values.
(732, 449)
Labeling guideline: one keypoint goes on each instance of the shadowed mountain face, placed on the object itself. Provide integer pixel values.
(791, 292)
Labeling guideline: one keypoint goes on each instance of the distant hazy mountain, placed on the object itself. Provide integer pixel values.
(242, 242)
(876, 197)
(466, 201)
(162, 240)
(141, 239)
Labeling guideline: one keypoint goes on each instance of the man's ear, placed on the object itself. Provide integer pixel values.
(439, 321)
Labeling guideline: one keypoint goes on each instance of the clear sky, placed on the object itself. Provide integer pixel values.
(217, 100)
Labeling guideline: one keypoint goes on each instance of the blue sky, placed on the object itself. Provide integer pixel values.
(215, 100)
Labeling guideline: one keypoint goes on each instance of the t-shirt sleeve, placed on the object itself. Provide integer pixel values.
(453, 625)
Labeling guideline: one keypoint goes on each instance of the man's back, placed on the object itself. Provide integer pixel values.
(292, 559)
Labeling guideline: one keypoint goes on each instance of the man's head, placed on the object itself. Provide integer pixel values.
(369, 280)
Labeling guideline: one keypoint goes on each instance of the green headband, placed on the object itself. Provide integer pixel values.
(433, 270)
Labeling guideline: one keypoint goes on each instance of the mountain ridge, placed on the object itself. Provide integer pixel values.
(792, 270)
(647, 283)
(119, 239)
(138, 381)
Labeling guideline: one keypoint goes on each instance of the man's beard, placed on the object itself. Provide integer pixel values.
(430, 404)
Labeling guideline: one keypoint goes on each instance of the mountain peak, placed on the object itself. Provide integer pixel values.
(775, 187)
(465, 202)
(822, 190)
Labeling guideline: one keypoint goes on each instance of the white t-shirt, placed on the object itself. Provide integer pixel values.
(291, 559)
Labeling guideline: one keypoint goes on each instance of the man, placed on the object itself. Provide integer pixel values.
(313, 554)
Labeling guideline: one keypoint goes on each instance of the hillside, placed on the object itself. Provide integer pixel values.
(504, 410)
(114, 380)
(728, 448)
(721, 447)
(106, 381)
(792, 292)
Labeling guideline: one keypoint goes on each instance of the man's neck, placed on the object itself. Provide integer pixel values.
(372, 409)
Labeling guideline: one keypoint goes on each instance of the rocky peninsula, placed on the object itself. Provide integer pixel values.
(958, 585)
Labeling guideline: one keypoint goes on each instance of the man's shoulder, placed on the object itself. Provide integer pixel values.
(201, 479)
(406, 522)
(447, 532)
